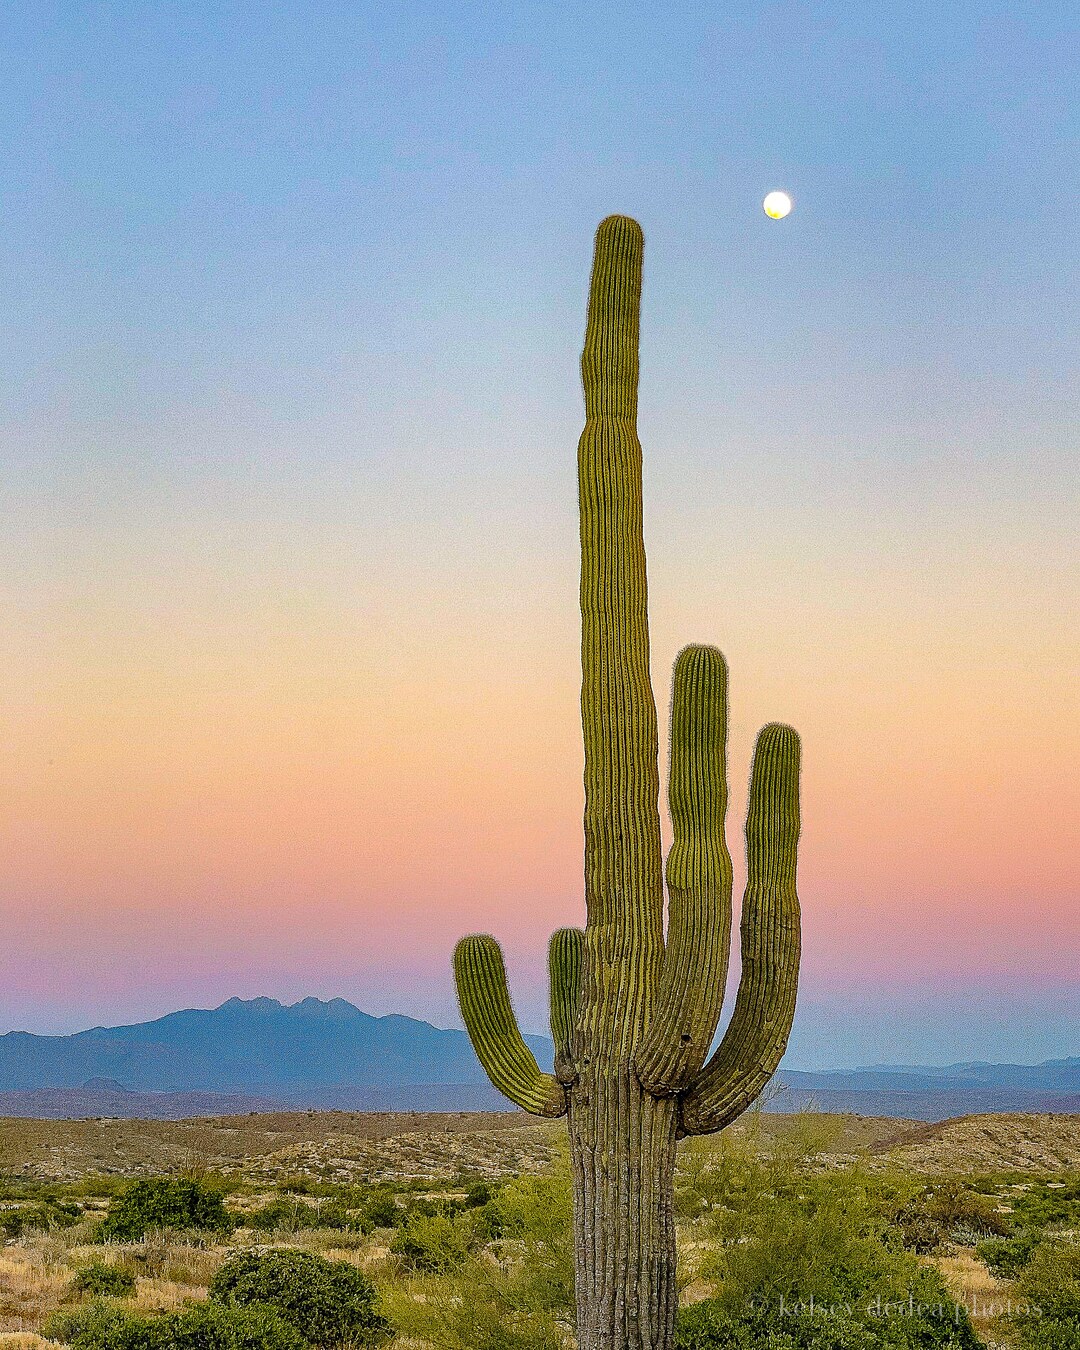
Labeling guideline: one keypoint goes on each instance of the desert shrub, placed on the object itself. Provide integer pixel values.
(199, 1326)
(333, 1214)
(1007, 1256)
(96, 1186)
(731, 1174)
(1048, 1204)
(294, 1216)
(297, 1186)
(331, 1302)
(488, 1223)
(281, 1215)
(382, 1210)
(826, 1235)
(478, 1194)
(165, 1202)
(44, 1216)
(948, 1210)
(430, 1207)
(1047, 1298)
(712, 1325)
(32, 1189)
(100, 1325)
(516, 1295)
(99, 1278)
(432, 1243)
(808, 1256)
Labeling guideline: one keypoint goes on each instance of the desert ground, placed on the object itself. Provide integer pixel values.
(403, 1197)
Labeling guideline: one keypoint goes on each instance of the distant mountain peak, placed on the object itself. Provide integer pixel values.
(258, 1046)
(335, 1007)
(260, 1004)
(305, 1007)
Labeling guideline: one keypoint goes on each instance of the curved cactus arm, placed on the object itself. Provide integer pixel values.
(484, 999)
(691, 990)
(757, 1037)
(565, 953)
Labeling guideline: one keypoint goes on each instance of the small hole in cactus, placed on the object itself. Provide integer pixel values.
(685, 1038)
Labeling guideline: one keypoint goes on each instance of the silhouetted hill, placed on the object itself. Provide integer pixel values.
(259, 1054)
(104, 1097)
(915, 1092)
(256, 1046)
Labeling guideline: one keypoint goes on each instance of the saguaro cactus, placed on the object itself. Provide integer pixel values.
(634, 1008)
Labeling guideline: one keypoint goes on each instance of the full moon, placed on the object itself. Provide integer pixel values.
(776, 205)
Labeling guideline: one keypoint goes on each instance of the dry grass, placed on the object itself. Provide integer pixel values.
(36, 1276)
(972, 1285)
(31, 1287)
(152, 1296)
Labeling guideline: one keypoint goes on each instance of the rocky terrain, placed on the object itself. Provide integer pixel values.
(347, 1146)
(988, 1143)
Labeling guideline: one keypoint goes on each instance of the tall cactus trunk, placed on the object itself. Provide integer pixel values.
(634, 1007)
(622, 1148)
(622, 1140)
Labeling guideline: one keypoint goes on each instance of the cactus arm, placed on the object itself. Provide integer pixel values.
(564, 965)
(691, 989)
(757, 1037)
(484, 999)
(623, 875)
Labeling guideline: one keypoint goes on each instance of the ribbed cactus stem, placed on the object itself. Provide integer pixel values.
(756, 1038)
(489, 1018)
(698, 878)
(565, 955)
(623, 878)
(609, 358)
(633, 1011)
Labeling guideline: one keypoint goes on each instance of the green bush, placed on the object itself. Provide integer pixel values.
(1047, 1298)
(99, 1278)
(100, 1325)
(1006, 1257)
(433, 1243)
(488, 1223)
(44, 1216)
(165, 1202)
(521, 1300)
(382, 1211)
(947, 1210)
(331, 1302)
(1047, 1204)
(199, 1326)
(478, 1194)
(293, 1216)
(806, 1256)
(297, 1186)
(333, 1214)
(808, 1325)
(281, 1215)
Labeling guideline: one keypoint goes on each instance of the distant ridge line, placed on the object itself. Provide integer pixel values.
(260, 1054)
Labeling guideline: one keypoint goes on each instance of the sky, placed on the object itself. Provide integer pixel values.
(294, 301)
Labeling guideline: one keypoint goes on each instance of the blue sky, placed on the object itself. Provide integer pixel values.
(288, 366)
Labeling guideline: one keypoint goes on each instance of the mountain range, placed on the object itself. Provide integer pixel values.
(929, 1092)
(259, 1055)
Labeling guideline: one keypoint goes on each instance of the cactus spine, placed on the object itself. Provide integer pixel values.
(634, 1009)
